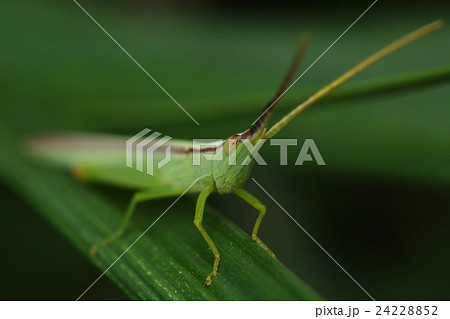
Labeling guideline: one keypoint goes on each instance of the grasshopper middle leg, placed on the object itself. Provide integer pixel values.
(249, 198)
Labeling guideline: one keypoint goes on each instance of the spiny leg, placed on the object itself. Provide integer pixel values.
(199, 209)
(137, 198)
(249, 198)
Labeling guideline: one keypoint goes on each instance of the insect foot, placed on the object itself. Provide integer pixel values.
(209, 280)
(264, 246)
(214, 271)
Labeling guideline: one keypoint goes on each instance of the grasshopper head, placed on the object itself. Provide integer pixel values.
(233, 168)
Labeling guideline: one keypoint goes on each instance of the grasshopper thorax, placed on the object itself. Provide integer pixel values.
(232, 168)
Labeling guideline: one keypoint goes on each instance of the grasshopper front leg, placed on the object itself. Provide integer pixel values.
(199, 209)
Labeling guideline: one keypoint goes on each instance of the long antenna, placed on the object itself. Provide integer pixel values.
(411, 37)
(260, 123)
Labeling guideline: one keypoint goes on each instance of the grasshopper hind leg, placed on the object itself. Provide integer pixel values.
(137, 198)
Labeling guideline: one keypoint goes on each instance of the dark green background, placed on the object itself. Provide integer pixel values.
(380, 206)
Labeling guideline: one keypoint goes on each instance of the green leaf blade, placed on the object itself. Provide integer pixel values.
(171, 261)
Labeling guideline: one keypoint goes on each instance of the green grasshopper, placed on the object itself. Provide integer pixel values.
(99, 158)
